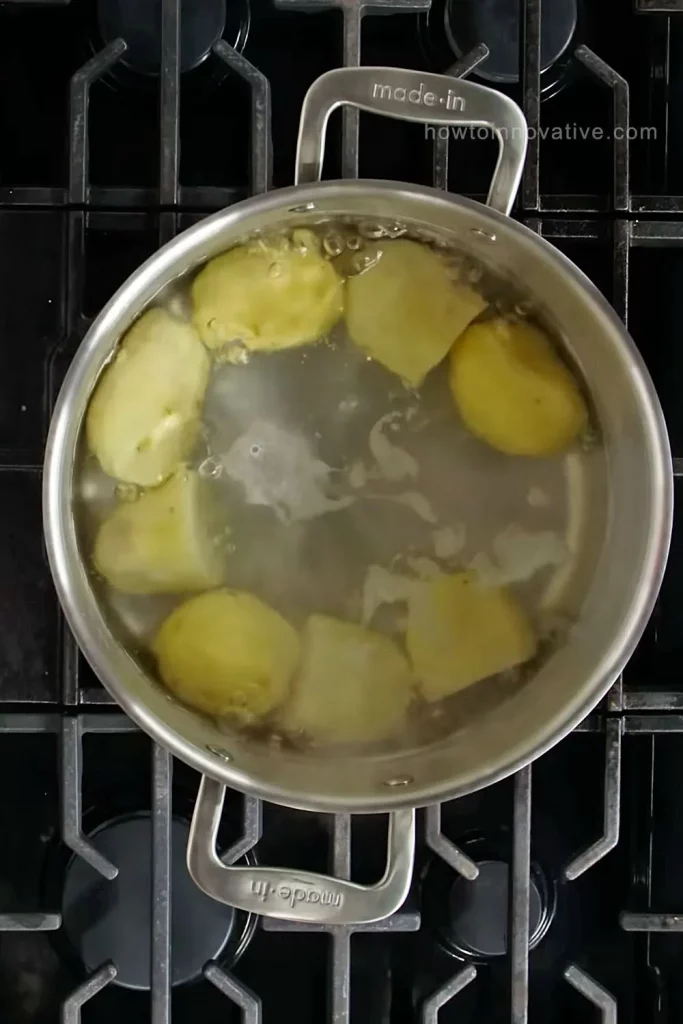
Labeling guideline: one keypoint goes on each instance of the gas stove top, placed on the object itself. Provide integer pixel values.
(554, 896)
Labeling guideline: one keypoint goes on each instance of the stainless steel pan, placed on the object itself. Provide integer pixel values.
(626, 576)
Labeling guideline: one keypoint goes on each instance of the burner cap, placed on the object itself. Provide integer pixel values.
(479, 912)
(112, 920)
(496, 23)
(201, 23)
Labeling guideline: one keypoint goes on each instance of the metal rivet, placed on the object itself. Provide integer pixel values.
(489, 236)
(401, 780)
(219, 752)
(304, 208)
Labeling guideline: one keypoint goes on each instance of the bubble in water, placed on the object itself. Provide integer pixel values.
(256, 450)
(210, 468)
(395, 230)
(354, 243)
(333, 244)
(127, 492)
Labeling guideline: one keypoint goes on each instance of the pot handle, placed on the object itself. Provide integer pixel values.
(297, 895)
(415, 96)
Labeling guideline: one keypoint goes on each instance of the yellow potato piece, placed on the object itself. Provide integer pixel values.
(460, 632)
(406, 312)
(160, 543)
(144, 417)
(354, 685)
(268, 295)
(227, 653)
(513, 391)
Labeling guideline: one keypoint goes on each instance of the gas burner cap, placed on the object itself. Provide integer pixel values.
(479, 912)
(497, 24)
(112, 920)
(202, 23)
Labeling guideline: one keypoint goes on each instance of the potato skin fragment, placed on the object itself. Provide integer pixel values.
(268, 295)
(460, 632)
(227, 653)
(405, 311)
(513, 391)
(159, 544)
(144, 416)
(353, 686)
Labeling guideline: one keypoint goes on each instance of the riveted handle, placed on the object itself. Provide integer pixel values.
(297, 895)
(415, 96)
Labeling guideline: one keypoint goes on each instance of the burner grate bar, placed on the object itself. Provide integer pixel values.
(651, 922)
(252, 829)
(248, 1002)
(353, 12)
(519, 898)
(403, 921)
(611, 813)
(78, 115)
(461, 69)
(169, 104)
(30, 922)
(530, 54)
(70, 777)
(430, 1010)
(447, 850)
(261, 115)
(619, 87)
(593, 992)
(162, 781)
(71, 1007)
(653, 723)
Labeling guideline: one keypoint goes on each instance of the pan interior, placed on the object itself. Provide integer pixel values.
(333, 482)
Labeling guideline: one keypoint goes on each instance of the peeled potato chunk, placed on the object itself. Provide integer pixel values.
(227, 654)
(513, 391)
(159, 544)
(268, 295)
(144, 416)
(353, 686)
(460, 632)
(406, 312)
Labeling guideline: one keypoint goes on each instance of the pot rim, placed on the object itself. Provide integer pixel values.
(62, 544)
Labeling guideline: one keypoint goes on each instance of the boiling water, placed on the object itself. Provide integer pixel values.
(335, 484)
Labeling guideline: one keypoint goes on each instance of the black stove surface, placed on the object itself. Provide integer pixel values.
(121, 123)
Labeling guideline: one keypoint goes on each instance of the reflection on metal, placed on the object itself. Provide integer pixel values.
(612, 785)
(261, 139)
(236, 992)
(519, 898)
(30, 922)
(593, 992)
(340, 1012)
(619, 87)
(71, 770)
(464, 67)
(162, 781)
(430, 1010)
(651, 922)
(71, 1007)
(352, 14)
(447, 850)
